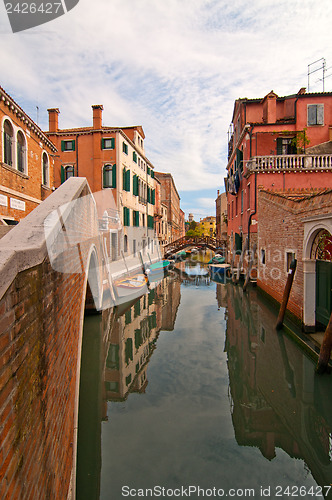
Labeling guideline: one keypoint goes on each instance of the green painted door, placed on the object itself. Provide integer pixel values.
(323, 291)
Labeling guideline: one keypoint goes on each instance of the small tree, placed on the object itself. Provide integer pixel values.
(301, 141)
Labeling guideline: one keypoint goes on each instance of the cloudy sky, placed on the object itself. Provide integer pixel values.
(173, 66)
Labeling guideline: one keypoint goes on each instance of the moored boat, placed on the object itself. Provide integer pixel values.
(218, 268)
(130, 287)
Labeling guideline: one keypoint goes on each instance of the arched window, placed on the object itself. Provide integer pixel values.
(322, 246)
(8, 136)
(45, 170)
(69, 171)
(21, 149)
(125, 243)
(109, 176)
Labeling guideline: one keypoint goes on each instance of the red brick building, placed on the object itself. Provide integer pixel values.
(113, 160)
(297, 224)
(267, 147)
(26, 162)
(170, 197)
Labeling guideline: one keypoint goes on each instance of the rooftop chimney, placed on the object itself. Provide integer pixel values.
(97, 116)
(53, 119)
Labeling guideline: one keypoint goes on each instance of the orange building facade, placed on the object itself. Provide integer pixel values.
(26, 162)
(268, 148)
(113, 160)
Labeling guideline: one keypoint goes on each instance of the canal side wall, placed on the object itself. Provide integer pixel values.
(41, 313)
(281, 232)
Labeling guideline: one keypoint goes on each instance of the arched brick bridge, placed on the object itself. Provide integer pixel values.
(198, 241)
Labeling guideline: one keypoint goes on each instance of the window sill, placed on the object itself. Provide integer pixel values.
(47, 188)
(15, 171)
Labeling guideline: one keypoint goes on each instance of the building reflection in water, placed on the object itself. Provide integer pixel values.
(117, 346)
(276, 398)
(133, 339)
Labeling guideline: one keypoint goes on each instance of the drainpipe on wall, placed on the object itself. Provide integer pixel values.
(76, 148)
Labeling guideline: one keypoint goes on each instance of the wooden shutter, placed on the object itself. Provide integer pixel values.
(153, 196)
(62, 145)
(63, 178)
(114, 176)
(124, 179)
(320, 114)
(279, 145)
(239, 158)
(128, 180)
(312, 115)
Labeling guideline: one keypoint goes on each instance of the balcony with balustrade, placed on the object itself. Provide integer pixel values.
(289, 163)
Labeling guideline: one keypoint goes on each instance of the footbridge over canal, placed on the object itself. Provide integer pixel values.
(43, 292)
(197, 241)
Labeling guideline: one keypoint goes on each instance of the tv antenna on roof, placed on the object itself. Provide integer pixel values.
(322, 66)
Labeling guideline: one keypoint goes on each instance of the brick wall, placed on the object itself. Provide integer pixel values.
(39, 334)
(281, 231)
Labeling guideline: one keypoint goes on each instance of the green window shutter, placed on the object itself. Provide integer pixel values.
(239, 159)
(62, 175)
(104, 178)
(148, 169)
(128, 180)
(112, 142)
(126, 216)
(73, 145)
(114, 176)
(135, 218)
(150, 221)
(149, 195)
(135, 185)
(135, 156)
(153, 196)
(62, 145)
(102, 144)
(124, 179)
(152, 174)
(279, 145)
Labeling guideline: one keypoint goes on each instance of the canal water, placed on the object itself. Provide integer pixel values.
(191, 393)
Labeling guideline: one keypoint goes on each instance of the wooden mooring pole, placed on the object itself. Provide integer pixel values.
(288, 287)
(325, 349)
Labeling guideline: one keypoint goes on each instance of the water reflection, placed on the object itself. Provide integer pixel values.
(277, 400)
(223, 401)
(133, 339)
